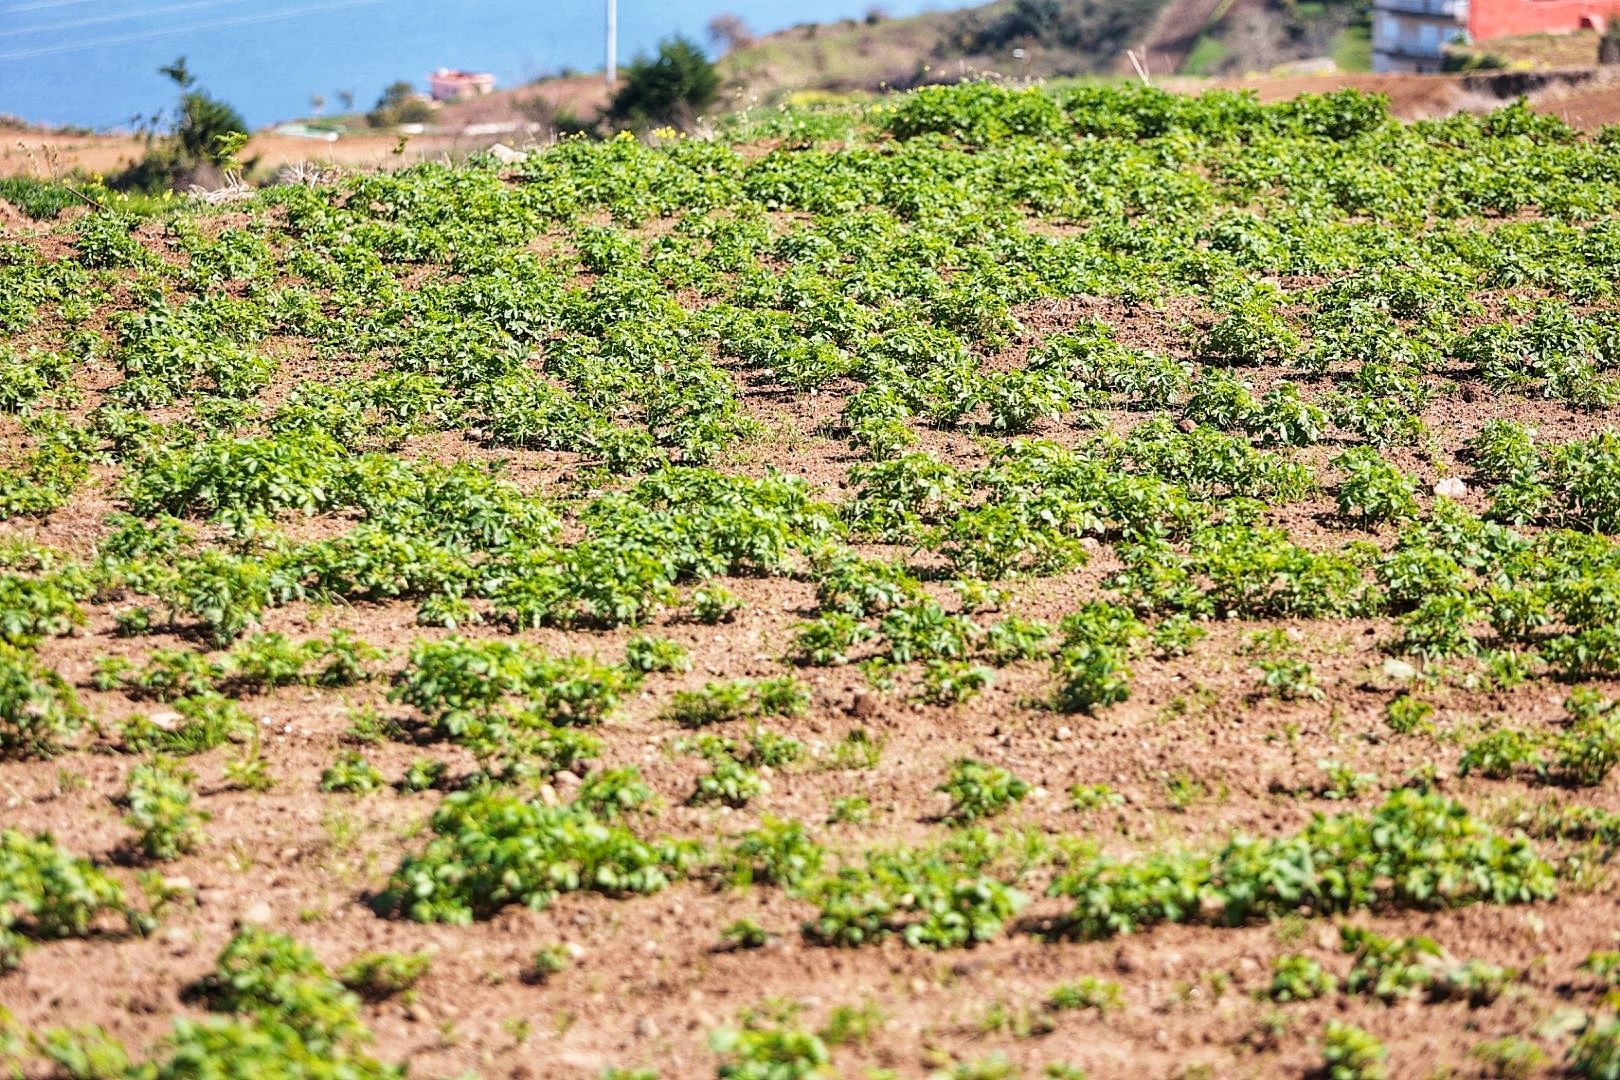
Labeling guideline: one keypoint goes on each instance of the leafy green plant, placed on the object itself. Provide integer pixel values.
(649, 654)
(746, 934)
(1297, 977)
(1085, 992)
(1405, 713)
(1509, 1058)
(1290, 679)
(376, 976)
(1372, 490)
(1389, 968)
(201, 722)
(951, 682)
(266, 975)
(760, 1052)
(1349, 1053)
(977, 790)
(740, 699)
(1415, 850)
(46, 893)
(713, 604)
(1088, 797)
(550, 960)
(38, 709)
(158, 799)
(352, 773)
(488, 850)
(1596, 1053)
(673, 87)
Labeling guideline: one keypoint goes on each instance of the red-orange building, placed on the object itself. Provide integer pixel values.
(1504, 18)
(1412, 35)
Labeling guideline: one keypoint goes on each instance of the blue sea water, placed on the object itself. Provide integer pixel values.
(94, 62)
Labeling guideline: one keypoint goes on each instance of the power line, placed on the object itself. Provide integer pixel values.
(96, 20)
(216, 24)
(43, 5)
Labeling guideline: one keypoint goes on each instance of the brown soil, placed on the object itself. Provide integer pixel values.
(1410, 96)
(1195, 753)
(1589, 107)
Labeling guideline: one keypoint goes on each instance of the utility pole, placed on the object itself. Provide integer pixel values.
(612, 42)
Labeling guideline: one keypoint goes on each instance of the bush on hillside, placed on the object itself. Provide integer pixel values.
(670, 88)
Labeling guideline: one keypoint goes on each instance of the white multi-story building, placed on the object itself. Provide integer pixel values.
(1412, 35)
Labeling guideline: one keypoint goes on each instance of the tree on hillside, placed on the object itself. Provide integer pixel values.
(730, 32)
(1095, 32)
(1032, 19)
(670, 88)
(190, 148)
(399, 104)
(1609, 44)
(202, 119)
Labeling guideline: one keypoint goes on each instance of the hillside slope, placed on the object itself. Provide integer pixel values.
(1044, 39)
(1015, 38)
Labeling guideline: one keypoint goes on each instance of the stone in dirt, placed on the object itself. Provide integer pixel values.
(1451, 488)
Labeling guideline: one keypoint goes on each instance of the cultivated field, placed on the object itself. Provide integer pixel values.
(992, 584)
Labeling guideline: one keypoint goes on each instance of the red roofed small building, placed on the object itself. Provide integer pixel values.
(447, 84)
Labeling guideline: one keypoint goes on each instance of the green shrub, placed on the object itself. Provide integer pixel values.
(1349, 1053)
(713, 604)
(1417, 851)
(1290, 679)
(47, 893)
(489, 850)
(1596, 1054)
(977, 790)
(1372, 489)
(1389, 968)
(259, 1048)
(1085, 992)
(610, 793)
(776, 853)
(649, 654)
(38, 709)
(352, 773)
(32, 608)
(379, 975)
(1090, 677)
(206, 720)
(263, 974)
(159, 802)
(931, 898)
(41, 200)
(1509, 1058)
(672, 87)
(739, 699)
(770, 1053)
(472, 689)
(951, 682)
(1297, 977)
(1405, 713)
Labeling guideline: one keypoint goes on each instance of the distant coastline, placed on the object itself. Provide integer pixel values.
(100, 74)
